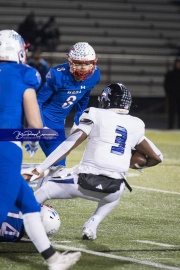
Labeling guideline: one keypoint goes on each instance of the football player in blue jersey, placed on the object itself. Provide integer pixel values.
(12, 229)
(67, 86)
(18, 83)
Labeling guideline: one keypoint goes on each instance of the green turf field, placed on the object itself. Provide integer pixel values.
(142, 232)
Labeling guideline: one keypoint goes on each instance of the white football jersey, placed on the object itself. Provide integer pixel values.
(111, 137)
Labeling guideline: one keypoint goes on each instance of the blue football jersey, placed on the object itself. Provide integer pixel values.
(14, 80)
(62, 92)
(12, 229)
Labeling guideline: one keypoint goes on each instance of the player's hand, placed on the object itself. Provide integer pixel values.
(31, 174)
(31, 148)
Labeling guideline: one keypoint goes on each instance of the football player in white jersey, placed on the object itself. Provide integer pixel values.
(101, 175)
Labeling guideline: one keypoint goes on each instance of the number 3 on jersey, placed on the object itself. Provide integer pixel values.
(120, 140)
(69, 101)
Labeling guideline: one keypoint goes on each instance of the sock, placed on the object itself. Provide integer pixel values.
(49, 253)
(93, 222)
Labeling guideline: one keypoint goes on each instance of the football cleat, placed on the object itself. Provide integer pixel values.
(64, 261)
(88, 234)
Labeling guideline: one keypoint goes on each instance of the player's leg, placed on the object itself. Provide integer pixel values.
(64, 188)
(35, 230)
(14, 190)
(10, 163)
(56, 188)
(105, 206)
(48, 146)
(67, 188)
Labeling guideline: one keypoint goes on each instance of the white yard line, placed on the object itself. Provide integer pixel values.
(157, 190)
(130, 174)
(120, 258)
(154, 243)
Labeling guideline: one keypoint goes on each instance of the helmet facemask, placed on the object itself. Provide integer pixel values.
(82, 54)
(78, 73)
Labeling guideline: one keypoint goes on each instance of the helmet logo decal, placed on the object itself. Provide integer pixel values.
(115, 96)
(105, 93)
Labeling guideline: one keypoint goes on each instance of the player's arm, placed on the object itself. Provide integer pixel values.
(75, 139)
(47, 90)
(60, 152)
(31, 109)
(153, 154)
(33, 118)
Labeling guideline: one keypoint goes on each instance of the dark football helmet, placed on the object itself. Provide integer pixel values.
(115, 95)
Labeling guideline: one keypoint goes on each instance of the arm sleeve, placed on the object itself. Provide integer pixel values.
(139, 131)
(80, 106)
(155, 149)
(62, 149)
(86, 127)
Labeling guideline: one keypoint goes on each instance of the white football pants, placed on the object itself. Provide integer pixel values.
(67, 188)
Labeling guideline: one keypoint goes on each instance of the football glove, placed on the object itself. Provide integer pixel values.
(31, 148)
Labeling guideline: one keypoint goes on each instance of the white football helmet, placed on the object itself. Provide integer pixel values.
(82, 52)
(50, 219)
(12, 47)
